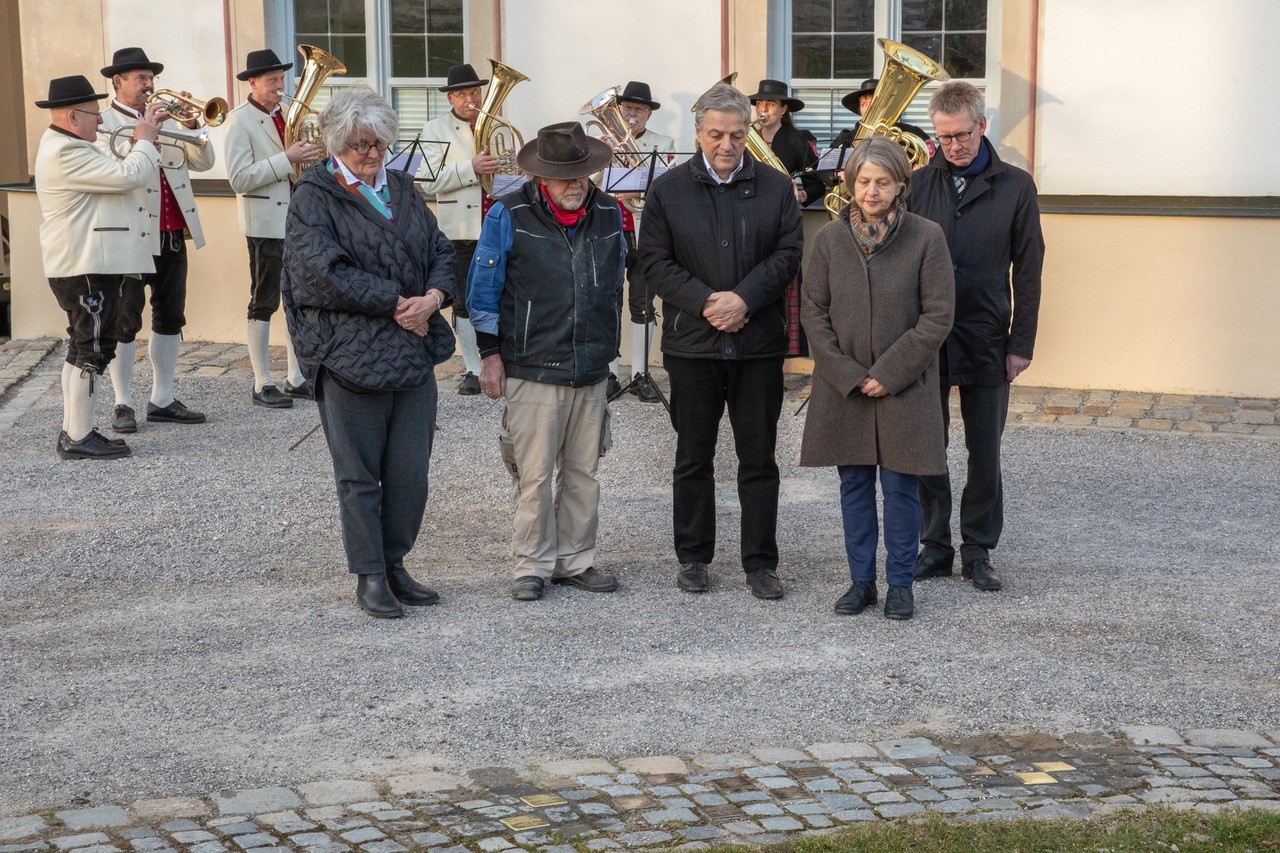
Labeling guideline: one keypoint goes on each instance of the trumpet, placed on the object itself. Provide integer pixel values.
(185, 108)
(182, 138)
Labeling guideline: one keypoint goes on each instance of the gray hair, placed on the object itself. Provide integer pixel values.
(885, 153)
(355, 108)
(956, 97)
(723, 98)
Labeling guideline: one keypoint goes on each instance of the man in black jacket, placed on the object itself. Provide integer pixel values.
(989, 212)
(722, 238)
(544, 293)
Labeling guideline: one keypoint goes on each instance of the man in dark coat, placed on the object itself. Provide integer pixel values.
(989, 213)
(722, 238)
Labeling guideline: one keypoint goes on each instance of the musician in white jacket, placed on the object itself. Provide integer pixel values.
(453, 176)
(260, 168)
(167, 206)
(90, 240)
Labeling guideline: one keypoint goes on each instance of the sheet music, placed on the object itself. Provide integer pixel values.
(503, 184)
(629, 179)
(833, 159)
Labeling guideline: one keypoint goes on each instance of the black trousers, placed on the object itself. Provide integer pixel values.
(380, 442)
(983, 409)
(639, 300)
(168, 293)
(701, 390)
(463, 252)
(92, 303)
(266, 263)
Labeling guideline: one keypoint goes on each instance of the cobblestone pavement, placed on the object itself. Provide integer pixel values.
(762, 796)
(1027, 405)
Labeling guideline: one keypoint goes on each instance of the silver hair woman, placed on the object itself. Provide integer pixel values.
(877, 303)
(366, 271)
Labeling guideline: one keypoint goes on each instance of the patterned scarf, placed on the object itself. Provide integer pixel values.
(869, 236)
(380, 199)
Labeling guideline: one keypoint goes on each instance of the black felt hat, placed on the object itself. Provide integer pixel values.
(462, 77)
(130, 59)
(776, 90)
(638, 93)
(563, 152)
(69, 91)
(260, 62)
(850, 100)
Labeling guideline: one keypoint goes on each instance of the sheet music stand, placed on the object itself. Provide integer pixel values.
(413, 156)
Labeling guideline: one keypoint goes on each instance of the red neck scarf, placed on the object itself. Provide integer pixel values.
(567, 218)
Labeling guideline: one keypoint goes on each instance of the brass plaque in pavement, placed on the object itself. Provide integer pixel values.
(808, 772)
(664, 778)
(724, 811)
(788, 794)
(983, 771)
(525, 821)
(1052, 766)
(734, 783)
(628, 804)
(539, 801)
(1035, 778)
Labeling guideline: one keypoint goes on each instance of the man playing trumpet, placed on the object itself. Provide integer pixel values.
(167, 210)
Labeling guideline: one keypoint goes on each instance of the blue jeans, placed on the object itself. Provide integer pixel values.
(901, 522)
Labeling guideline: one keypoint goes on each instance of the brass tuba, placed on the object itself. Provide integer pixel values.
(497, 135)
(184, 108)
(300, 124)
(616, 131)
(905, 71)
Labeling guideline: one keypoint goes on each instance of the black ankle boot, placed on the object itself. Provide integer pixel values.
(408, 590)
(374, 596)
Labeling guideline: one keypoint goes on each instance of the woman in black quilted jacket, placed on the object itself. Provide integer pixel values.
(366, 272)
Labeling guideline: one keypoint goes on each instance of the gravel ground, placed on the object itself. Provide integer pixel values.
(181, 621)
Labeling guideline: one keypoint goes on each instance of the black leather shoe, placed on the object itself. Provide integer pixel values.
(305, 391)
(643, 389)
(592, 580)
(271, 397)
(527, 588)
(861, 595)
(611, 390)
(95, 445)
(932, 566)
(470, 385)
(693, 577)
(900, 603)
(764, 584)
(374, 595)
(174, 413)
(983, 575)
(124, 420)
(409, 591)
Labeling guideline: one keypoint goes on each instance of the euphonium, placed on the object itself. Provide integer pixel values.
(496, 135)
(905, 71)
(616, 131)
(185, 108)
(300, 124)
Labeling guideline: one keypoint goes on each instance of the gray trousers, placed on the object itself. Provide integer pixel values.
(380, 442)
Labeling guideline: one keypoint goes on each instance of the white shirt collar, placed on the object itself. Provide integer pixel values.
(712, 172)
(125, 108)
(350, 177)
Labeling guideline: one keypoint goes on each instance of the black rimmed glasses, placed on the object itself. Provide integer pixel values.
(362, 148)
(946, 139)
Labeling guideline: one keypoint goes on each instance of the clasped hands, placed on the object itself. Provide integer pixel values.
(725, 310)
(414, 312)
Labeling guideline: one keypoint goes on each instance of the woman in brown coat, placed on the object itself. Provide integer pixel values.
(877, 304)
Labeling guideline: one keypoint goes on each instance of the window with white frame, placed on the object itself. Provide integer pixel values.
(831, 48)
(402, 49)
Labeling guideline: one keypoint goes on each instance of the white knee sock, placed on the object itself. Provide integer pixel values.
(121, 369)
(638, 333)
(295, 372)
(66, 387)
(259, 336)
(78, 400)
(163, 350)
(467, 345)
(615, 367)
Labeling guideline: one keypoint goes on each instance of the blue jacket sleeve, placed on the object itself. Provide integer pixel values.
(487, 276)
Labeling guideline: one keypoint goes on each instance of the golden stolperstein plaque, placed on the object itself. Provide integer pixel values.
(525, 821)
(1052, 766)
(539, 801)
(1035, 778)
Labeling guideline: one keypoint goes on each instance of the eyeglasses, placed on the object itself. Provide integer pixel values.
(946, 139)
(362, 148)
(96, 115)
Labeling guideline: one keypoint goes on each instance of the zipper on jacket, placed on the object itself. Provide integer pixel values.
(524, 340)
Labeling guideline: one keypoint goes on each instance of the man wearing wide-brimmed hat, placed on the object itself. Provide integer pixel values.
(543, 294)
(260, 169)
(90, 240)
(452, 174)
(858, 102)
(167, 205)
